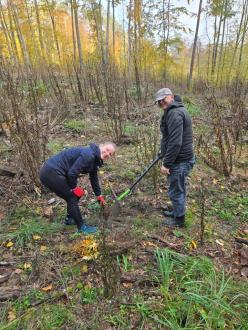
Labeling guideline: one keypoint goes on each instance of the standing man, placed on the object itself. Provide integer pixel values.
(60, 173)
(177, 151)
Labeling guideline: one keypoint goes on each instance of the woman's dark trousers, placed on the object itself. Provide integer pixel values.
(58, 184)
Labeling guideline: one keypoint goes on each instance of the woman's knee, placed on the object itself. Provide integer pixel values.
(72, 199)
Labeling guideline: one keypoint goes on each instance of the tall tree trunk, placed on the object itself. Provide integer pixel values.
(215, 52)
(113, 26)
(12, 31)
(167, 40)
(73, 33)
(39, 29)
(21, 40)
(79, 45)
(214, 43)
(107, 32)
(129, 34)
(101, 33)
(195, 43)
(7, 35)
(164, 37)
(54, 26)
(137, 17)
(237, 41)
(222, 41)
(244, 34)
(31, 29)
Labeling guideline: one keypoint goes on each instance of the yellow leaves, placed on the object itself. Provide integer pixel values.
(11, 315)
(27, 266)
(9, 244)
(88, 285)
(215, 182)
(47, 288)
(43, 248)
(127, 285)
(150, 244)
(84, 268)
(101, 172)
(87, 248)
(192, 245)
(36, 237)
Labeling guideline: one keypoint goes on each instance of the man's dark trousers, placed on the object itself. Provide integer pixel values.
(177, 186)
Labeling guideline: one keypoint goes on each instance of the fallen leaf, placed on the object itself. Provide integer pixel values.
(127, 285)
(9, 244)
(151, 244)
(51, 201)
(43, 248)
(87, 248)
(36, 237)
(215, 181)
(84, 268)
(88, 285)
(11, 315)
(244, 272)
(27, 265)
(192, 245)
(37, 190)
(48, 212)
(47, 288)
(220, 242)
(101, 172)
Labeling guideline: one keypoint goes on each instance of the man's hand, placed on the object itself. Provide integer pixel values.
(101, 200)
(165, 170)
(79, 192)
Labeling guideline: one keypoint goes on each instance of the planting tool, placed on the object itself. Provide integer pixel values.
(115, 208)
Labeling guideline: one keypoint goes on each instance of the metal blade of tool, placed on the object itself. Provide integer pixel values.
(115, 209)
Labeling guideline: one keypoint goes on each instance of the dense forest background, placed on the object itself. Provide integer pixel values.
(55, 54)
(148, 43)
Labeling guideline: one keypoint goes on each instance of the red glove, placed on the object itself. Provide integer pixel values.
(101, 200)
(79, 192)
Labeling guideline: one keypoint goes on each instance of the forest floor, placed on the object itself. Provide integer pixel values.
(136, 273)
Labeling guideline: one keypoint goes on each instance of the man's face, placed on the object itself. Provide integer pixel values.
(164, 103)
(107, 151)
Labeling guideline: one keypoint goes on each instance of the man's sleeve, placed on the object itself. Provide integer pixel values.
(163, 145)
(175, 135)
(78, 167)
(163, 142)
(95, 183)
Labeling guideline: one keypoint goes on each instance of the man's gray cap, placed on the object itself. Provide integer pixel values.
(162, 93)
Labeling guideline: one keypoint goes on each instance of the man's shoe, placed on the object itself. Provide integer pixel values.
(168, 214)
(87, 230)
(69, 221)
(175, 222)
(168, 211)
